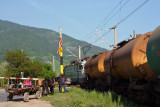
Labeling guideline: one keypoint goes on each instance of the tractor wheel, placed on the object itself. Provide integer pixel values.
(26, 97)
(46, 91)
(38, 94)
(10, 97)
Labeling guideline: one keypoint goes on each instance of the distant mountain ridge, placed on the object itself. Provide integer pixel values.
(37, 42)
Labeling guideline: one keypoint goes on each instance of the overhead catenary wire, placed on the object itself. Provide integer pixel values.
(108, 43)
(92, 32)
(140, 6)
(114, 14)
(102, 24)
(125, 18)
(110, 13)
(87, 35)
(101, 36)
(46, 59)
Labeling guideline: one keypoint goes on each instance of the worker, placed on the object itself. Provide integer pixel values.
(63, 82)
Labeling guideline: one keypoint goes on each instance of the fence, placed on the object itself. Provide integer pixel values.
(4, 81)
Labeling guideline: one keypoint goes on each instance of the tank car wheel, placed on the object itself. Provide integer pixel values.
(26, 97)
(82, 85)
(38, 94)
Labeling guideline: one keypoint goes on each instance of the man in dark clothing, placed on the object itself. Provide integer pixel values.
(62, 84)
(59, 83)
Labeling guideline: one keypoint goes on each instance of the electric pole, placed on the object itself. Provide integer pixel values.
(79, 52)
(53, 65)
(115, 36)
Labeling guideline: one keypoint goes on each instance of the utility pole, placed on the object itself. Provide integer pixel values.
(79, 52)
(21, 50)
(115, 36)
(53, 65)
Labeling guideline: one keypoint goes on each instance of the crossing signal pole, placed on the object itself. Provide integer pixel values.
(61, 52)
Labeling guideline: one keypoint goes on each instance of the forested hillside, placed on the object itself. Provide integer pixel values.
(37, 42)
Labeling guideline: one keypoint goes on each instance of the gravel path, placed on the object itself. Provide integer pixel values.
(18, 101)
(3, 96)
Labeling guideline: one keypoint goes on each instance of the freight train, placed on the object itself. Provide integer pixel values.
(132, 69)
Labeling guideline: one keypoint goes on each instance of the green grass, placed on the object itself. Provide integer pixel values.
(77, 97)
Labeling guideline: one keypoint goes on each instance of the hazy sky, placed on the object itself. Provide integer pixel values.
(80, 17)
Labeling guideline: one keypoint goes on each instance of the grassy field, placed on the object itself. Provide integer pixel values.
(77, 97)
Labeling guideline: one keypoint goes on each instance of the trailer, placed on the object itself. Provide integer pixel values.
(21, 89)
(25, 92)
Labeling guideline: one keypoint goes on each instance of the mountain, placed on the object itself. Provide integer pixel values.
(38, 42)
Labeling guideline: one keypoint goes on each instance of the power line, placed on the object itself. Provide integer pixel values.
(90, 34)
(108, 43)
(101, 36)
(110, 13)
(87, 35)
(108, 20)
(140, 6)
(121, 21)
(115, 14)
(130, 14)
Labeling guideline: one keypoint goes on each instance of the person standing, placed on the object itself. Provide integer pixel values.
(20, 85)
(62, 84)
(27, 82)
(59, 83)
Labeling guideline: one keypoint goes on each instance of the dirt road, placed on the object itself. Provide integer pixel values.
(31, 103)
(18, 101)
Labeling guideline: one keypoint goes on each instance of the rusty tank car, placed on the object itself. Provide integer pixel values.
(132, 69)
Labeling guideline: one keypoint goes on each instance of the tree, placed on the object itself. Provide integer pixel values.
(3, 69)
(48, 72)
(36, 69)
(17, 62)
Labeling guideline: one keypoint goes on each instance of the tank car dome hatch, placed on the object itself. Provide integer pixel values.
(138, 35)
(153, 51)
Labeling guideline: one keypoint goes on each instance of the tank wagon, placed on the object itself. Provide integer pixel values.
(74, 72)
(132, 69)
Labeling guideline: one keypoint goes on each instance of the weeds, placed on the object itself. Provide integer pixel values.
(77, 97)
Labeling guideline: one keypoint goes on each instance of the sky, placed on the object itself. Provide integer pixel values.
(81, 19)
